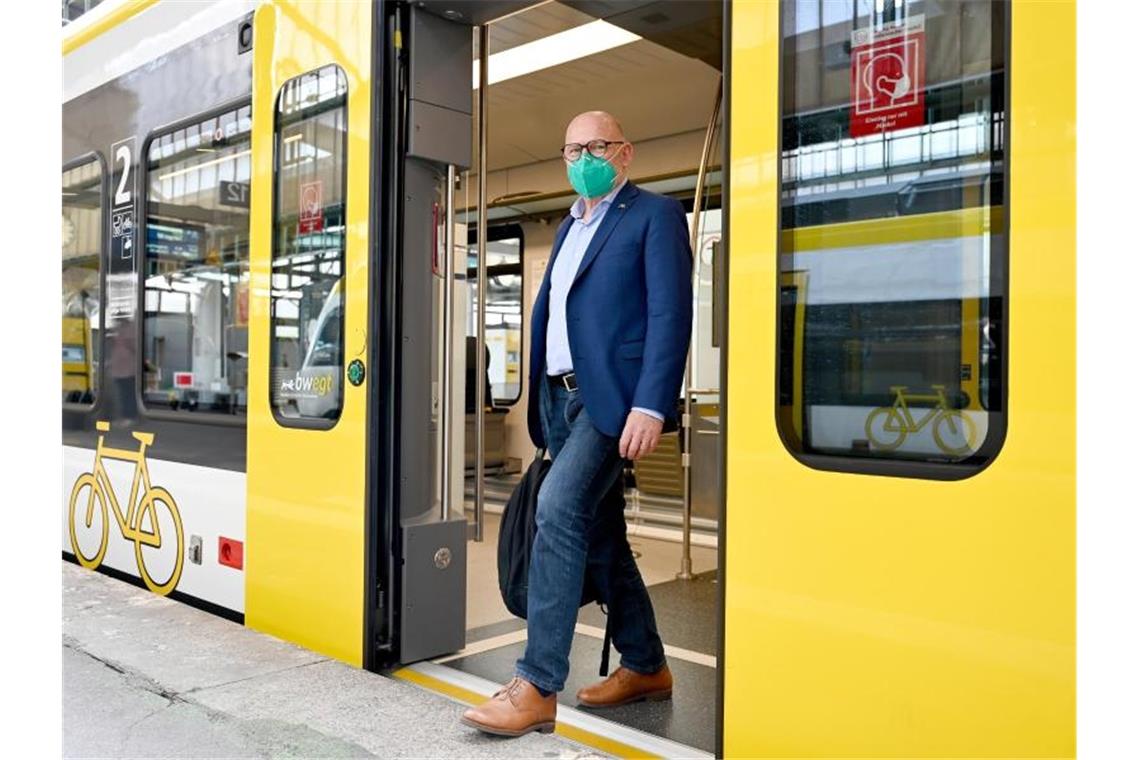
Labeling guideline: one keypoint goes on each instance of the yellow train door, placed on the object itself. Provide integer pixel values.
(309, 324)
(354, 549)
(900, 455)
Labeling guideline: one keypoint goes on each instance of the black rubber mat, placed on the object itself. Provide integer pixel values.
(689, 718)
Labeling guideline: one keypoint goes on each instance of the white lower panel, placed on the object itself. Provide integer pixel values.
(211, 503)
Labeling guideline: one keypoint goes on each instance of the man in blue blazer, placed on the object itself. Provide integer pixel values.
(609, 337)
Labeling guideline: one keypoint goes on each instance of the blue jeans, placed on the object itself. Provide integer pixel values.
(580, 530)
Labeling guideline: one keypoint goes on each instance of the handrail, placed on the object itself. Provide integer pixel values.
(481, 274)
(687, 421)
(447, 338)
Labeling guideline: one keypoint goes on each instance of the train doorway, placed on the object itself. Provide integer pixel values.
(657, 67)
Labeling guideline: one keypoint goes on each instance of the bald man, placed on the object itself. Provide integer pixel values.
(610, 334)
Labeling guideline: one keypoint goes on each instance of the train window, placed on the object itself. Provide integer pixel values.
(196, 267)
(82, 288)
(307, 288)
(892, 247)
(504, 314)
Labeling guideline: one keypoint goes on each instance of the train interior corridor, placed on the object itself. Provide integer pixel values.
(657, 69)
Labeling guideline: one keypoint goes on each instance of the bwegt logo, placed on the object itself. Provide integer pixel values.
(307, 386)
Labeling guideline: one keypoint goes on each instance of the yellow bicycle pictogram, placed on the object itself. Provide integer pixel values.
(954, 432)
(141, 522)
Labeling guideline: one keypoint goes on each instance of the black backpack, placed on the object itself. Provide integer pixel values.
(516, 538)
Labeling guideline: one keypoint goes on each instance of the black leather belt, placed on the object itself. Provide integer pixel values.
(566, 380)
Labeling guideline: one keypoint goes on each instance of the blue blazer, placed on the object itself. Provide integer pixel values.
(628, 312)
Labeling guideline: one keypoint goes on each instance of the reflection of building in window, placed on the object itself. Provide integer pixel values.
(306, 293)
(892, 245)
(504, 310)
(196, 241)
(82, 239)
(963, 134)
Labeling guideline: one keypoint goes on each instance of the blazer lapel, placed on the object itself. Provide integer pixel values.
(614, 215)
(558, 238)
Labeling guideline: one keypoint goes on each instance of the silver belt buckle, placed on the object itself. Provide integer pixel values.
(566, 380)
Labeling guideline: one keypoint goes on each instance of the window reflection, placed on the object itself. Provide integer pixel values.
(504, 309)
(82, 262)
(196, 297)
(307, 296)
(892, 246)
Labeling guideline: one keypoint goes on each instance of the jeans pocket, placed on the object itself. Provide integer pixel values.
(572, 408)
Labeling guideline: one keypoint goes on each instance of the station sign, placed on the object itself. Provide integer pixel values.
(234, 194)
(123, 206)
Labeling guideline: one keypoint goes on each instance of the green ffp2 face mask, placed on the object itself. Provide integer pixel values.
(591, 177)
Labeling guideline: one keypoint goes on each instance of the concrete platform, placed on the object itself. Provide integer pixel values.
(144, 676)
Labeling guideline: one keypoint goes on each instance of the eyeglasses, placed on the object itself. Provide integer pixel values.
(573, 151)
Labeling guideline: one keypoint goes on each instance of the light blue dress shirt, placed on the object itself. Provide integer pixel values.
(567, 260)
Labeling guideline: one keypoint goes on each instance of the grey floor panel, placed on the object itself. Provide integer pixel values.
(494, 629)
(686, 613)
(689, 718)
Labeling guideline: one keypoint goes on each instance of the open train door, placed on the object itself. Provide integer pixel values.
(423, 135)
(354, 549)
(425, 142)
(310, 315)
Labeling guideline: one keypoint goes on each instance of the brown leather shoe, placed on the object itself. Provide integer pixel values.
(625, 686)
(514, 710)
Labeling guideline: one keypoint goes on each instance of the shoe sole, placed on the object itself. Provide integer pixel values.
(542, 728)
(653, 696)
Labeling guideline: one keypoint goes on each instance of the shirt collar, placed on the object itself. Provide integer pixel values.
(579, 207)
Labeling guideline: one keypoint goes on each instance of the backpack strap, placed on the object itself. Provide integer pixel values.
(604, 670)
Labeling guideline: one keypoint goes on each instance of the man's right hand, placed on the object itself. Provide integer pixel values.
(641, 435)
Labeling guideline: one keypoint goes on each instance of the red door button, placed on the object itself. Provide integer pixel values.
(230, 552)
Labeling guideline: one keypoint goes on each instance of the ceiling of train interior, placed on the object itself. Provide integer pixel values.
(473, 11)
(690, 27)
(655, 90)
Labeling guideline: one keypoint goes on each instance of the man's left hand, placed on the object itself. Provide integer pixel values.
(641, 435)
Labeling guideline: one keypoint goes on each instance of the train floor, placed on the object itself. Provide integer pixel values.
(686, 612)
(145, 676)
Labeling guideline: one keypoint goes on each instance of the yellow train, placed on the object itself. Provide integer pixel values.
(284, 219)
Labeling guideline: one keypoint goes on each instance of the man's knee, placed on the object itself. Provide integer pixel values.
(557, 510)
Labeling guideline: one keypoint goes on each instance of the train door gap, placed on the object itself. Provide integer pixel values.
(664, 99)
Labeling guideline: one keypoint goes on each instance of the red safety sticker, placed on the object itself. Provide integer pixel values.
(888, 77)
(312, 217)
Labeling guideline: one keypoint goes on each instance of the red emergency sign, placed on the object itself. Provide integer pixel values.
(888, 77)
